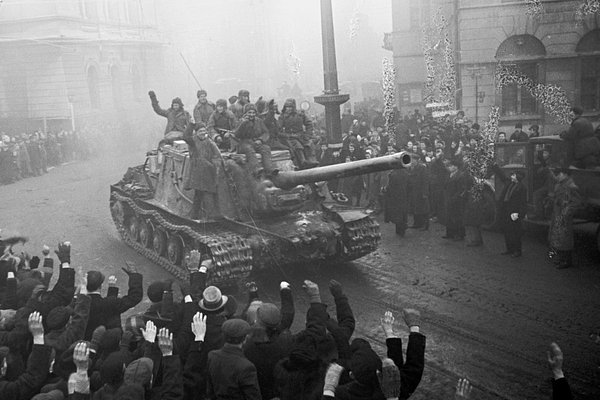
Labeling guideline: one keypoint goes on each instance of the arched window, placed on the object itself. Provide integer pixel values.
(589, 50)
(524, 51)
(93, 86)
(115, 76)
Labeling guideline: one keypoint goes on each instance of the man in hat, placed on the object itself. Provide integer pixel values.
(534, 131)
(177, 117)
(237, 108)
(253, 136)
(584, 147)
(220, 125)
(230, 374)
(107, 311)
(513, 207)
(204, 108)
(518, 135)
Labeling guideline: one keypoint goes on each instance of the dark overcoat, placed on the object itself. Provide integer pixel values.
(202, 172)
(566, 202)
(396, 197)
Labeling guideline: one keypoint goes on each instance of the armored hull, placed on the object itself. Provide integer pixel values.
(258, 225)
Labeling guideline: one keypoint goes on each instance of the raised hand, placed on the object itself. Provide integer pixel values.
(194, 261)
(150, 332)
(130, 268)
(252, 286)
(152, 94)
(463, 389)
(45, 250)
(36, 327)
(555, 359)
(112, 280)
(64, 252)
(411, 317)
(81, 356)
(387, 324)
(165, 342)
(335, 288)
(199, 326)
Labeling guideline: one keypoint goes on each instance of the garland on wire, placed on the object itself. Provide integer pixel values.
(354, 23)
(294, 62)
(448, 83)
(481, 157)
(552, 97)
(389, 98)
(437, 31)
(587, 8)
(534, 8)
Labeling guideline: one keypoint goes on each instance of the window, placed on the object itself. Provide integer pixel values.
(517, 99)
(590, 83)
(93, 87)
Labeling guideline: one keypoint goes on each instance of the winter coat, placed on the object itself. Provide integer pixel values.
(581, 137)
(295, 125)
(203, 111)
(396, 196)
(456, 194)
(61, 339)
(107, 310)
(204, 155)
(217, 121)
(30, 382)
(177, 120)
(252, 130)
(515, 202)
(566, 201)
(519, 136)
(237, 109)
(418, 189)
(231, 375)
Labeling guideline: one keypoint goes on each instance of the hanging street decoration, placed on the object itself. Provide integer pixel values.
(481, 157)
(534, 8)
(389, 98)
(551, 96)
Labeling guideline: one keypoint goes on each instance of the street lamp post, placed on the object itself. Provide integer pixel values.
(331, 97)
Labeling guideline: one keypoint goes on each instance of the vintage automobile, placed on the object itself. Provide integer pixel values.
(527, 157)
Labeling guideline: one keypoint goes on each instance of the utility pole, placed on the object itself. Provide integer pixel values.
(331, 97)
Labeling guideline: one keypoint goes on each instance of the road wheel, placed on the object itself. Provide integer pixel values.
(175, 249)
(133, 228)
(159, 242)
(146, 234)
(118, 212)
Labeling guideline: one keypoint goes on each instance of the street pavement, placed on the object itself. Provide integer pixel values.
(486, 316)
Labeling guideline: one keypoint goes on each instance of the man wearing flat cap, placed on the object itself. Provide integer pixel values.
(230, 374)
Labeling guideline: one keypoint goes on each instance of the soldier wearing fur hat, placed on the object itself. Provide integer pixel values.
(253, 136)
(296, 132)
(220, 123)
(204, 108)
(237, 108)
(177, 118)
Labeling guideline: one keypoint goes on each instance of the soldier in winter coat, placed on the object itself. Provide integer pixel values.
(177, 118)
(204, 108)
(202, 171)
(296, 132)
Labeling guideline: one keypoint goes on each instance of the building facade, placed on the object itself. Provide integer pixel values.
(553, 47)
(67, 61)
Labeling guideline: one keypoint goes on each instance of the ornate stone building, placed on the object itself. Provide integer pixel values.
(65, 61)
(552, 48)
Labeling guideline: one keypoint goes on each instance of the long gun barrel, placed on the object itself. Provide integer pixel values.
(289, 179)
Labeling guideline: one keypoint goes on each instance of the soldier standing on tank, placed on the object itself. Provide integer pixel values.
(202, 178)
(177, 118)
(220, 125)
(253, 135)
(296, 132)
(204, 108)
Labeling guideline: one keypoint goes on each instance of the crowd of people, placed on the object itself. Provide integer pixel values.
(73, 342)
(26, 155)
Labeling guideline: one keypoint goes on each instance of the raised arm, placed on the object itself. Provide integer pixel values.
(155, 106)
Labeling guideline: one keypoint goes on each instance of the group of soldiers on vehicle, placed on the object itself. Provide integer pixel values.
(245, 127)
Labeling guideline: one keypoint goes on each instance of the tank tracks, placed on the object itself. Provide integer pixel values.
(361, 237)
(231, 254)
